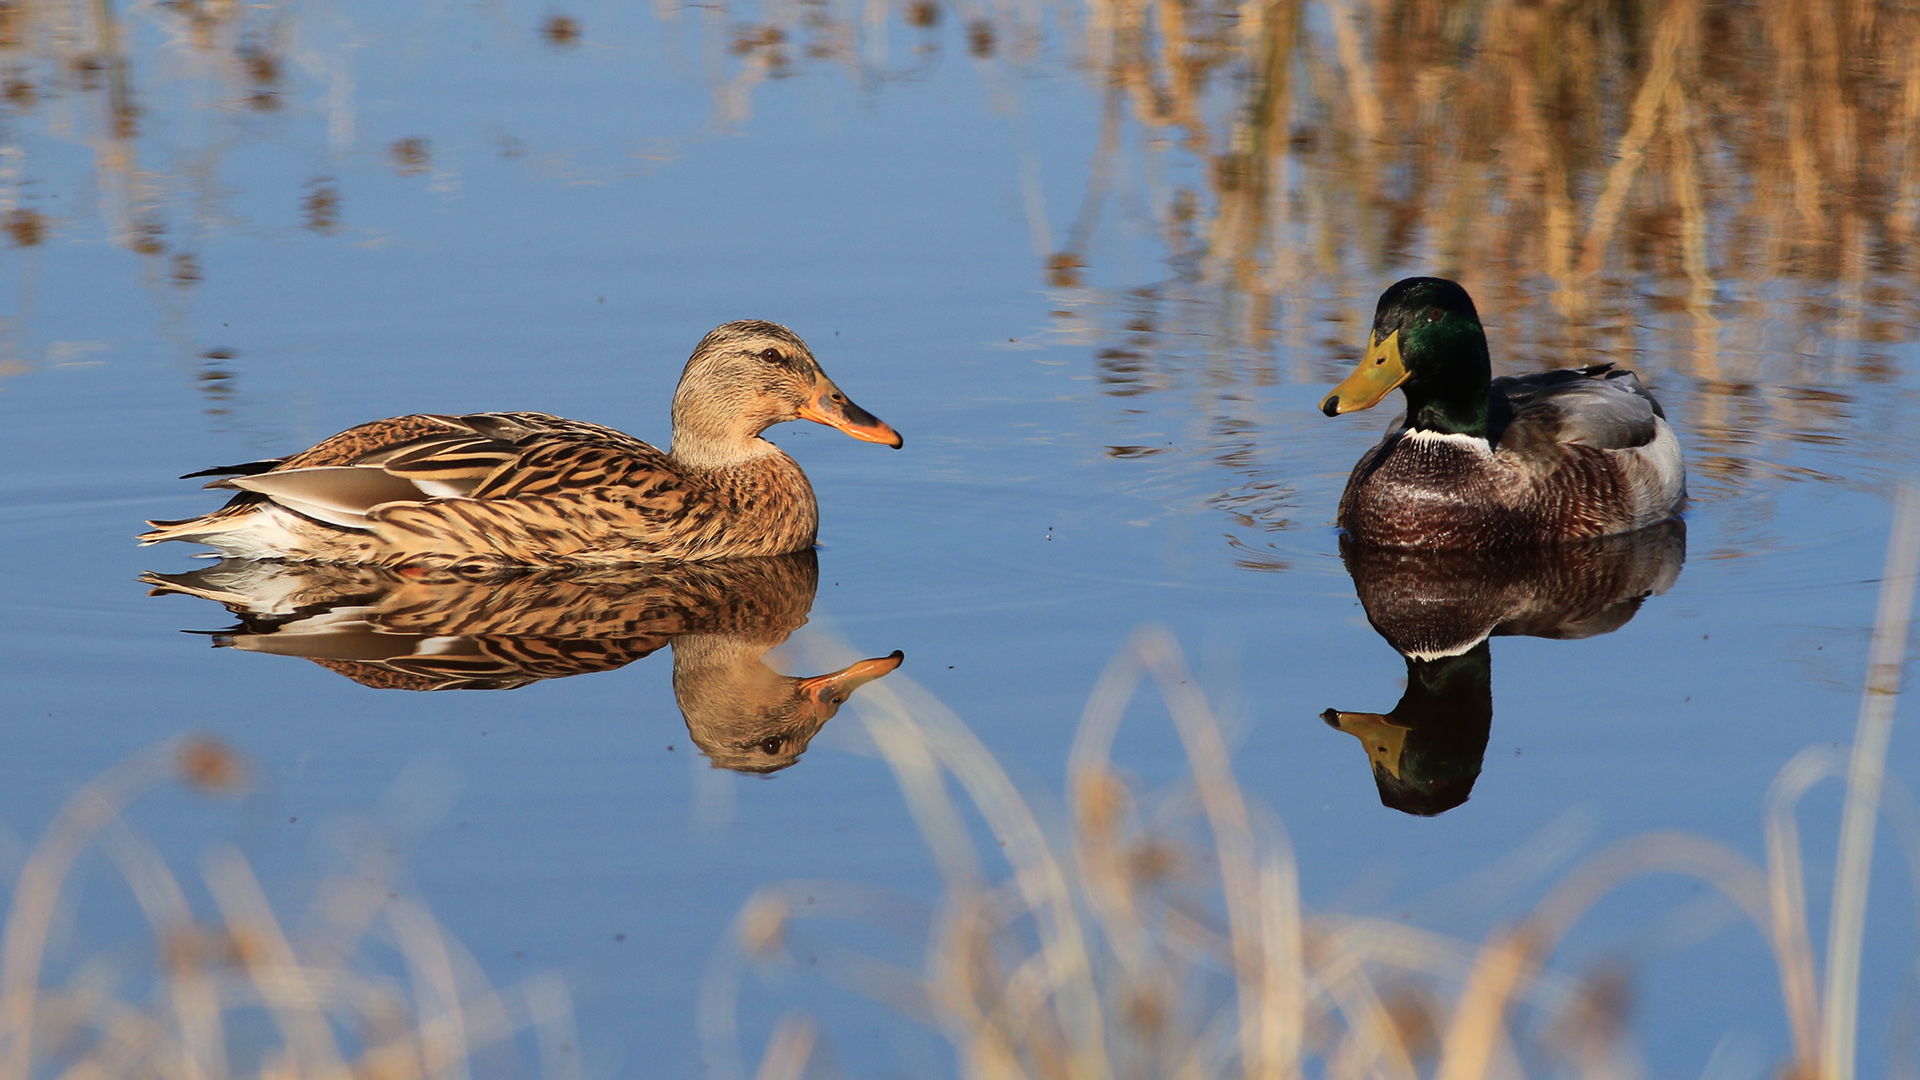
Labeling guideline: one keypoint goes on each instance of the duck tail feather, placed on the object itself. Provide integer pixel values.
(245, 468)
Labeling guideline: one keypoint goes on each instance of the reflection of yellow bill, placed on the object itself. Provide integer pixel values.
(1379, 373)
(1385, 740)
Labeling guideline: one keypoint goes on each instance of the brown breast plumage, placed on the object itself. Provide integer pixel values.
(1429, 490)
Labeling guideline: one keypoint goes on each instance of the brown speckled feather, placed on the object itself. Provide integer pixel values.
(549, 514)
(531, 490)
(497, 632)
(443, 629)
(367, 441)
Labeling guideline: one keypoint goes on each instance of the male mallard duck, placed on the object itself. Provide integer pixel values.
(1557, 455)
(1439, 608)
(528, 489)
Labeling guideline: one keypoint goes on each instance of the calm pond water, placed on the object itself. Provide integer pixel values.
(1097, 265)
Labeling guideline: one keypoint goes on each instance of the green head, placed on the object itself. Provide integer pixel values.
(1427, 753)
(1427, 342)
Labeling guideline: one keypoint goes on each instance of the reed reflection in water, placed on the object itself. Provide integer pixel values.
(1722, 195)
(421, 629)
(1729, 188)
(1438, 609)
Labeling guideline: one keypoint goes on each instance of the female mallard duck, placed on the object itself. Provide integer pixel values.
(1557, 455)
(528, 489)
(421, 628)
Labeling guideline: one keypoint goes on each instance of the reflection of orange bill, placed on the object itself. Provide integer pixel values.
(833, 688)
(831, 407)
(1379, 373)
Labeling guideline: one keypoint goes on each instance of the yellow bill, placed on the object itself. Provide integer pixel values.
(1379, 374)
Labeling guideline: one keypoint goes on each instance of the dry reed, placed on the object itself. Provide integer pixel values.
(329, 1011)
(1102, 950)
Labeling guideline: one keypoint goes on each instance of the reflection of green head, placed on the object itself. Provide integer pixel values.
(1426, 753)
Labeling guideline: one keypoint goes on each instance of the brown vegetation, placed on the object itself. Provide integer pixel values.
(1169, 937)
(236, 992)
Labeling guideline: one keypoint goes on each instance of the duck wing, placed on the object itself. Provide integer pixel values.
(1600, 406)
(424, 460)
(423, 435)
(569, 490)
(485, 489)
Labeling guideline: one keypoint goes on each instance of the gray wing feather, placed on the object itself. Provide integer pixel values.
(1599, 406)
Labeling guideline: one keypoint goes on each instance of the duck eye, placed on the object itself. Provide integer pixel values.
(1435, 314)
(770, 746)
(772, 356)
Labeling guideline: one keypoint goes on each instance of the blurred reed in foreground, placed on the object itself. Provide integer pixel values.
(1114, 951)
(239, 994)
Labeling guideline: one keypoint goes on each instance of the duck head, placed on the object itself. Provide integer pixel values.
(1428, 343)
(746, 377)
(1427, 753)
(748, 718)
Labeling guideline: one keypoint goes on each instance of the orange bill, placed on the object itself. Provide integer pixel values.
(831, 407)
(1379, 374)
(832, 689)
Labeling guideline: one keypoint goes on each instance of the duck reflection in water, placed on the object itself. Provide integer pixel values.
(439, 629)
(1439, 609)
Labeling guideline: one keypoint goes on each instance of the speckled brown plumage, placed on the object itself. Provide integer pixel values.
(442, 629)
(582, 495)
(532, 490)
